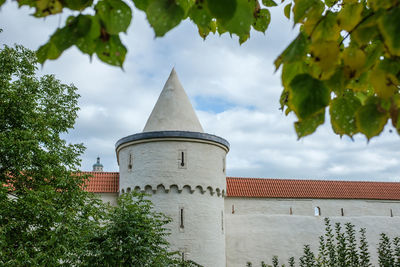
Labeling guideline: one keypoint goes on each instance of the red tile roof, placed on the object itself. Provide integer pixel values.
(285, 188)
(108, 182)
(103, 182)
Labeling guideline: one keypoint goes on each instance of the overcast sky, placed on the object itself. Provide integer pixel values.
(233, 89)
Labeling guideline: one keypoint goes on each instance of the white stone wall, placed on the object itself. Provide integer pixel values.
(157, 163)
(197, 187)
(202, 238)
(108, 198)
(260, 228)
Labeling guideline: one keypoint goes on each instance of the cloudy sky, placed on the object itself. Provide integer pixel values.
(233, 89)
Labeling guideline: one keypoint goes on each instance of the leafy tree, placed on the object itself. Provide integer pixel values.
(385, 252)
(308, 258)
(132, 235)
(45, 216)
(363, 248)
(345, 57)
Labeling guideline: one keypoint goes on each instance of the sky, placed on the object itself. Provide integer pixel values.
(232, 87)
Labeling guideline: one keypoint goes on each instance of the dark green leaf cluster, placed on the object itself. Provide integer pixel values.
(389, 251)
(346, 57)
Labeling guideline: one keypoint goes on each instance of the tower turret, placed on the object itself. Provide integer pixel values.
(98, 167)
(183, 169)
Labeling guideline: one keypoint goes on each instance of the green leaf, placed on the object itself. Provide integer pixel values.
(302, 7)
(141, 4)
(2, 2)
(366, 31)
(337, 82)
(64, 38)
(371, 118)
(307, 96)
(290, 70)
(263, 19)
(296, 51)
(269, 3)
(287, 10)
(330, 3)
(242, 20)
(222, 9)
(77, 4)
(342, 112)
(186, 5)
(163, 15)
(309, 125)
(350, 15)
(47, 51)
(200, 15)
(327, 29)
(47, 7)
(115, 14)
(111, 51)
(389, 24)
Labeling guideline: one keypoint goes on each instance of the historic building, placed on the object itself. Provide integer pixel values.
(227, 221)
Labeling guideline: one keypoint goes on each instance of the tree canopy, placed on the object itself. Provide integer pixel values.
(46, 216)
(345, 57)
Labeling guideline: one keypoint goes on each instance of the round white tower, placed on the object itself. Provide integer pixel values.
(183, 169)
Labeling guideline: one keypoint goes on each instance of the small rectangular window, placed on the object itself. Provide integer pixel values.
(391, 213)
(181, 225)
(130, 162)
(317, 211)
(233, 209)
(182, 159)
(291, 211)
(342, 211)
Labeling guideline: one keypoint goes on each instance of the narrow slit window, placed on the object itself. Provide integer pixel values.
(223, 165)
(130, 165)
(342, 211)
(233, 209)
(183, 256)
(181, 225)
(290, 211)
(317, 211)
(182, 159)
(391, 213)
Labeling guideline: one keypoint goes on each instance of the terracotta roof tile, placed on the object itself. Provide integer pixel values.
(108, 182)
(103, 182)
(285, 188)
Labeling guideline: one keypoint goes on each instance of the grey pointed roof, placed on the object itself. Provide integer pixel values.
(173, 111)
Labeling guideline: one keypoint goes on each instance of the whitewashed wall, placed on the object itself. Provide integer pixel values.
(261, 228)
(156, 163)
(197, 188)
(108, 198)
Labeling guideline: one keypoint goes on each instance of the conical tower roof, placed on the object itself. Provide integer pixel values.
(173, 111)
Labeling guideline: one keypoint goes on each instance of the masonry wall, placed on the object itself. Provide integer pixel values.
(259, 228)
(190, 193)
(108, 198)
(201, 234)
(156, 163)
